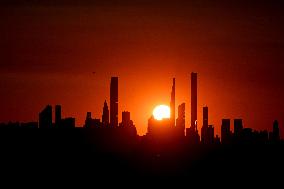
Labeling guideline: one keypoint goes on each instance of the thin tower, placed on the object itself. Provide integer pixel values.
(114, 102)
(173, 102)
(193, 101)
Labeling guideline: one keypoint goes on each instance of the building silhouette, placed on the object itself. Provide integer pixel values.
(194, 101)
(126, 121)
(127, 125)
(217, 140)
(180, 121)
(207, 131)
(114, 102)
(170, 128)
(204, 128)
(159, 129)
(274, 136)
(192, 132)
(225, 131)
(45, 117)
(90, 122)
(238, 127)
(57, 115)
(210, 135)
(173, 102)
(105, 116)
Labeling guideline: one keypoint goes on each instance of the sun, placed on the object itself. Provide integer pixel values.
(161, 112)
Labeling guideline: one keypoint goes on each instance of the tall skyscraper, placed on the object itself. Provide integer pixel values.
(173, 102)
(204, 129)
(114, 102)
(57, 115)
(105, 116)
(205, 116)
(180, 122)
(192, 132)
(193, 101)
(45, 117)
(225, 131)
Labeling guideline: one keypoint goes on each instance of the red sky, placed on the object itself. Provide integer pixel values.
(49, 51)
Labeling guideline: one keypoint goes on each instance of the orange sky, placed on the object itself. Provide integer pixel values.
(49, 51)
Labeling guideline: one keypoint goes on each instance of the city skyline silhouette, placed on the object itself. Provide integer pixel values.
(169, 149)
(109, 116)
(65, 53)
(109, 119)
(84, 85)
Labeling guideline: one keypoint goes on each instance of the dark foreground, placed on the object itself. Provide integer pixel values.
(93, 156)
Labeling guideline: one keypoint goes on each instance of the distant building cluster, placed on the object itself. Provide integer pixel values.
(110, 116)
(174, 128)
(247, 135)
(45, 119)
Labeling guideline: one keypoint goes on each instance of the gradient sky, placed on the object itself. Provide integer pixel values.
(49, 51)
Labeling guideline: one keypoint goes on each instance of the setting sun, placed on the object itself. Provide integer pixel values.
(161, 111)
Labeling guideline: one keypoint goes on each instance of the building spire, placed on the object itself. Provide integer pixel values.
(173, 102)
(105, 116)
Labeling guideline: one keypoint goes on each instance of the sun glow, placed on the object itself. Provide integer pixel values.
(161, 112)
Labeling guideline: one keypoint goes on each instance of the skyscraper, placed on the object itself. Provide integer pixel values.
(127, 124)
(225, 131)
(205, 116)
(126, 119)
(173, 102)
(192, 132)
(210, 135)
(193, 101)
(57, 115)
(180, 122)
(88, 119)
(45, 117)
(105, 116)
(114, 102)
(204, 129)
